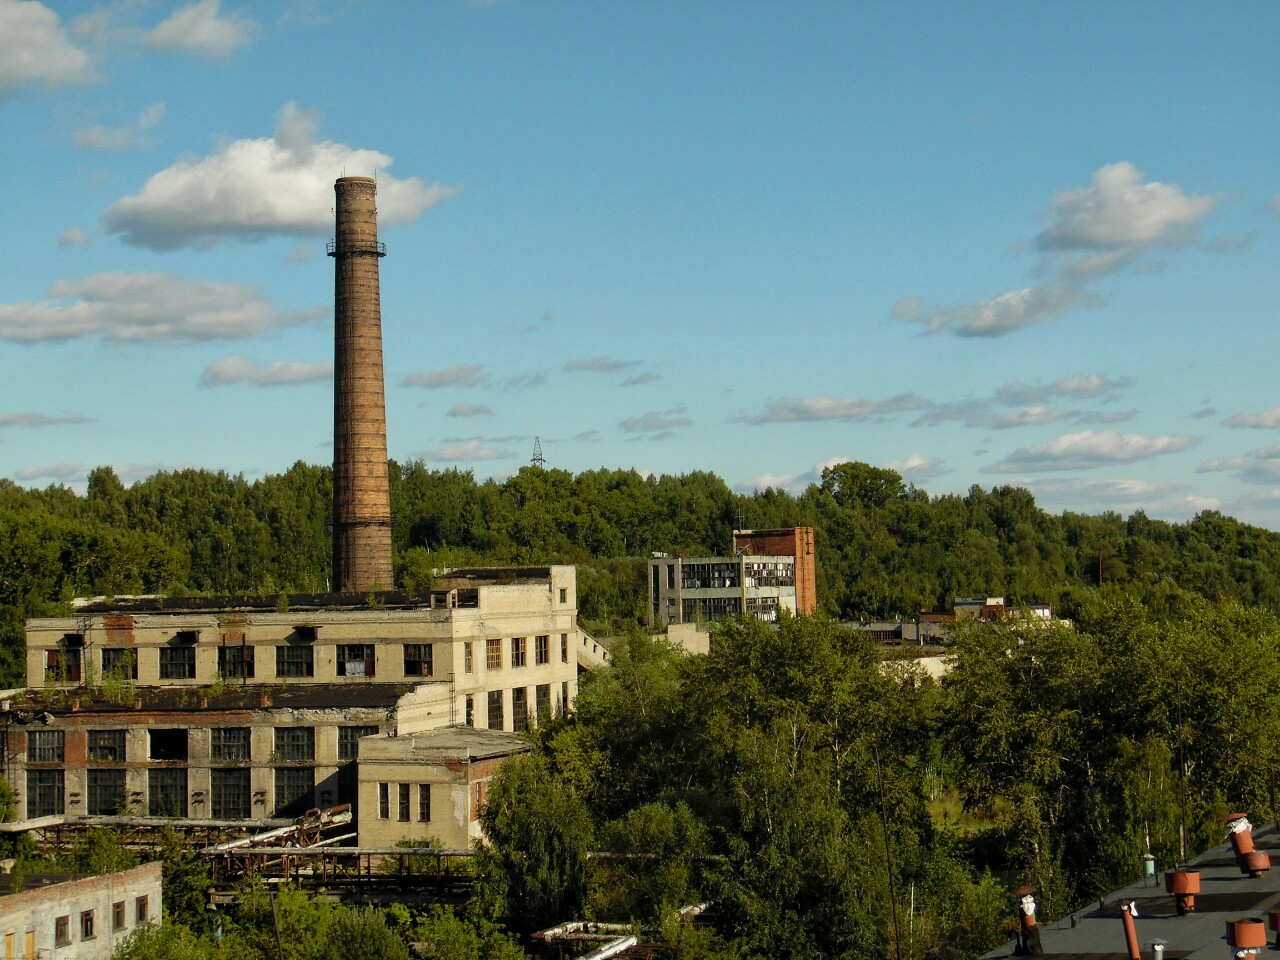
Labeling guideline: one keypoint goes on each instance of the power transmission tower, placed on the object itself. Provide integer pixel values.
(538, 459)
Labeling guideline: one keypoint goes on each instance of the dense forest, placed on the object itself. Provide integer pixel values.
(826, 802)
(829, 802)
(885, 548)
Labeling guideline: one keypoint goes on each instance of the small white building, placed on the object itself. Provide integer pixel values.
(77, 918)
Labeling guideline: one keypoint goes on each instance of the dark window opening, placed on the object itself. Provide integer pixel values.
(403, 804)
(62, 665)
(168, 744)
(117, 915)
(417, 659)
(384, 801)
(424, 802)
(306, 633)
(495, 709)
(543, 702)
(541, 650)
(106, 746)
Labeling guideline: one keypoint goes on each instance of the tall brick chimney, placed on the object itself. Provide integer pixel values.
(361, 497)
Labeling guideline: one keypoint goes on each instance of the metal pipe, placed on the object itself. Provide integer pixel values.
(1129, 910)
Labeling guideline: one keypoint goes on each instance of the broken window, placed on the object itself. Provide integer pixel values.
(235, 661)
(44, 746)
(229, 793)
(424, 802)
(542, 699)
(495, 709)
(229, 743)
(349, 739)
(564, 648)
(471, 710)
(384, 801)
(295, 743)
(468, 659)
(403, 804)
(178, 662)
(295, 660)
(417, 660)
(106, 793)
(541, 650)
(62, 664)
(493, 654)
(294, 789)
(120, 663)
(45, 793)
(106, 746)
(167, 792)
(355, 660)
(520, 709)
(517, 652)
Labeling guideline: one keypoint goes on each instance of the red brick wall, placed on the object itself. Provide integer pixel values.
(793, 542)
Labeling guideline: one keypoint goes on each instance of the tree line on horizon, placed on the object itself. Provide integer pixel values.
(885, 548)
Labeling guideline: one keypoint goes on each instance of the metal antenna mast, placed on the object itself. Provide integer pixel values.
(538, 459)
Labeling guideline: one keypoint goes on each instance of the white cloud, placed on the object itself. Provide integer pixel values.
(654, 422)
(1109, 492)
(1079, 386)
(1120, 212)
(145, 307)
(811, 409)
(237, 369)
(1260, 467)
(469, 410)
(198, 30)
(250, 189)
(1090, 233)
(598, 365)
(42, 420)
(471, 450)
(73, 237)
(765, 481)
(302, 253)
(469, 375)
(917, 466)
(52, 471)
(1001, 314)
(1266, 420)
(1087, 448)
(119, 138)
(35, 51)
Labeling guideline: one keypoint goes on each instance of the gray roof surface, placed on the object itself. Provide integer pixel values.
(1225, 893)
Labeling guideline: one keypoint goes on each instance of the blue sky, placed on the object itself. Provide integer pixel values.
(980, 243)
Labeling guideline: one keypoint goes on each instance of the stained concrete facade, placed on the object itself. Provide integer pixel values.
(247, 712)
(77, 918)
(431, 786)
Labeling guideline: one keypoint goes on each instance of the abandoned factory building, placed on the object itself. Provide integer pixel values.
(241, 708)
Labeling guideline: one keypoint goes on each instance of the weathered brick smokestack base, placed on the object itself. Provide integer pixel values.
(361, 499)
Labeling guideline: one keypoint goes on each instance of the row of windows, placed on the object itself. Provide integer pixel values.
(495, 705)
(403, 801)
(230, 796)
(168, 743)
(178, 661)
(88, 925)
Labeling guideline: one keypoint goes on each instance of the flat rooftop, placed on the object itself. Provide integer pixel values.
(1225, 894)
(460, 579)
